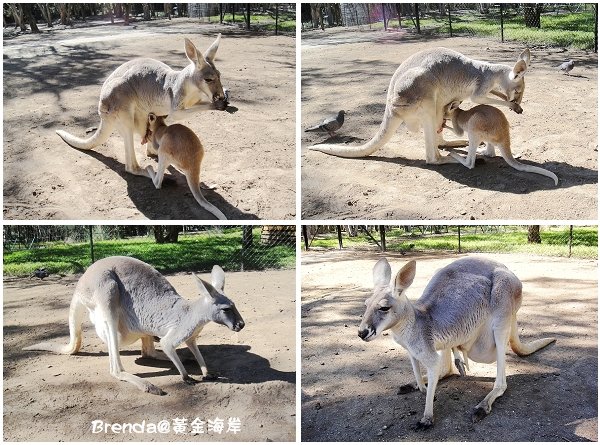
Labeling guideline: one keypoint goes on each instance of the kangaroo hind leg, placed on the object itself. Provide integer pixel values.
(107, 296)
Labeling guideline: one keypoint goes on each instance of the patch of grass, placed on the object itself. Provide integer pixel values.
(266, 22)
(564, 30)
(509, 240)
(196, 253)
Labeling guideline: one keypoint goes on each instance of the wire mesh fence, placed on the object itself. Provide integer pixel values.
(561, 241)
(534, 24)
(71, 249)
(275, 17)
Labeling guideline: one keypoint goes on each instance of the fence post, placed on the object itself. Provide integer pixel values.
(382, 234)
(246, 243)
(339, 234)
(501, 23)
(383, 12)
(277, 19)
(305, 236)
(91, 244)
(595, 28)
(417, 18)
(459, 250)
(450, 19)
(570, 240)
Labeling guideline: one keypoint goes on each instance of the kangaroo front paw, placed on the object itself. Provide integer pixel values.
(478, 414)
(408, 388)
(516, 108)
(190, 380)
(460, 366)
(424, 424)
(151, 389)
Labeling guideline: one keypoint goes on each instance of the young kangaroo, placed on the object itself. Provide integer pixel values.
(488, 124)
(470, 306)
(425, 82)
(129, 300)
(178, 146)
(141, 86)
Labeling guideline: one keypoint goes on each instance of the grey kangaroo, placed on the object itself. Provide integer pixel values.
(141, 86)
(428, 80)
(128, 300)
(469, 306)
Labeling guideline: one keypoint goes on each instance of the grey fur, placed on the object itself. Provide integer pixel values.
(128, 300)
(469, 306)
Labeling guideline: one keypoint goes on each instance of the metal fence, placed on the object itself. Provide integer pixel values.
(565, 241)
(544, 24)
(234, 248)
(274, 17)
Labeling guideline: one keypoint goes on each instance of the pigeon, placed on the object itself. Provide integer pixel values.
(566, 66)
(331, 124)
(41, 273)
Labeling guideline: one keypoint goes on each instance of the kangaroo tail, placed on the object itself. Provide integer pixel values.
(76, 316)
(387, 128)
(528, 168)
(99, 137)
(194, 185)
(525, 348)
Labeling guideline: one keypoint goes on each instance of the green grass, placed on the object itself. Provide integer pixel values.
(512, 240)
(565, 30)
(192, 253)
(286, 22)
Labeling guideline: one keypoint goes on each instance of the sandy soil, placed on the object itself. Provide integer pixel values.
(349, 387)
(51, 397)
(351, 70)
(52, 81)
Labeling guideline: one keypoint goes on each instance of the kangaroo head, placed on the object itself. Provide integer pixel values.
(388, 302)
(221, 309)
(516, 79)
(206, 79)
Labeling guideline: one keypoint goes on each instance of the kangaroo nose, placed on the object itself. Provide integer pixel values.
(363, 333)
(239, 326)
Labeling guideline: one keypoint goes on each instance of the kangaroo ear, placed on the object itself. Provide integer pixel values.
(217, 277)
(212, 50)
(382, 272)
(525, 56)
(204, 287)
(151, 117)
(193, 54)
(518, 70)
(406, 275)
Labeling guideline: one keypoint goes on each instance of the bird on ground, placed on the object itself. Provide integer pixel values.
(566, 66)
(330, 125)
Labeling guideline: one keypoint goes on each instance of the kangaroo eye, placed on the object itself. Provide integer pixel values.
(226, 309)
(384, 309)
(209, 80)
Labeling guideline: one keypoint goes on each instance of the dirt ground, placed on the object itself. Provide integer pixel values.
(351, 70)
(52, 81)
(50, 397)
(349, 387)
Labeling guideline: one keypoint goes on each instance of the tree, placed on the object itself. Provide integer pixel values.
(531, 13)
(533, 235)
(29, 17)
(65, 13)
(45, 8)
(17, 12)
(166, 234)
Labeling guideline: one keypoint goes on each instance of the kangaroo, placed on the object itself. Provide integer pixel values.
(128, 300)
(428, 80)
(488, 124)
(178, 146)
(141, 86)
(470, 306)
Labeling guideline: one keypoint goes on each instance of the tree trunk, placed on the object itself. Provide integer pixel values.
(533, 235)
(248, 16)
(45, 8)
(29, 17)
(531, 14)
(65, 13)
(173, 233)
(127, 11)
(146, 7)
(17, 12)
(246, 237)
